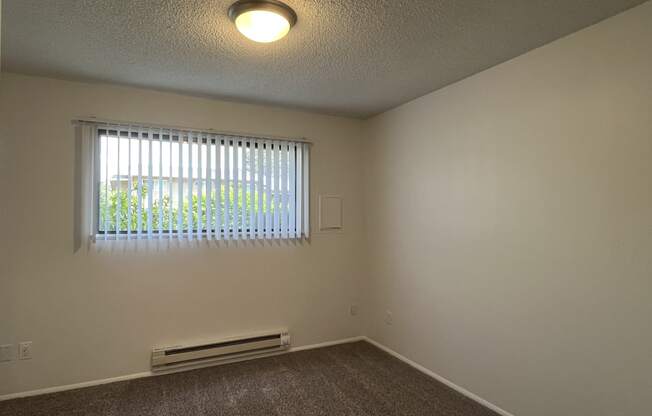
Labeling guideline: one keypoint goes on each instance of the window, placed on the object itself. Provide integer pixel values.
(165, 183)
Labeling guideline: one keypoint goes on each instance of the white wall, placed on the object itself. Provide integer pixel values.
(511, 229)
(93, 315)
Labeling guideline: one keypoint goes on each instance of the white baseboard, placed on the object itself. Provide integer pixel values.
(91, 383)
(439, 378)
(143, 374)
(328, 343)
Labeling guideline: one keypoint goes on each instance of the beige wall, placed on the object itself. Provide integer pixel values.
(511, 229)
(93, 315)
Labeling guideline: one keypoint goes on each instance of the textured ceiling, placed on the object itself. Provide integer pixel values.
(355, 57)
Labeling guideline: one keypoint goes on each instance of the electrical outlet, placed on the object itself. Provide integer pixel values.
(6, 352)
(25, 350)
(388, 317)
(353, 310)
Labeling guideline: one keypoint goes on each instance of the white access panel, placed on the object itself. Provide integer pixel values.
(330, 212)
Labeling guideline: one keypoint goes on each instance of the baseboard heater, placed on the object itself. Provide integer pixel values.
(223, 350)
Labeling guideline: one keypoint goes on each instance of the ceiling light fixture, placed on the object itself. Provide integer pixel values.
(262, 20)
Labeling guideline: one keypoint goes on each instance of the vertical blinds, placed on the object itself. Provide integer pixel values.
(167, 183)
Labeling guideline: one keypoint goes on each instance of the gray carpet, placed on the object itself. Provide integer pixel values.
(348, 379)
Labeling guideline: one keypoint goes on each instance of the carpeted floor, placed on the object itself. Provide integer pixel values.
(348, 379)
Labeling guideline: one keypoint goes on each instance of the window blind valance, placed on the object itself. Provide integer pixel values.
(165, 183)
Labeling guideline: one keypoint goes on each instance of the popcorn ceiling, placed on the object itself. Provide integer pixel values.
(355, 58)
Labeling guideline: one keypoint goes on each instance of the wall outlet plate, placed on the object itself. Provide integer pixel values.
(25, 350)
(388, 317)
(353, 310)
(6, 352)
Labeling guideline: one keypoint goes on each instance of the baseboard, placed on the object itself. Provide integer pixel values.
(328, 343)
(143, 374)
(90, 383)
(439, 378)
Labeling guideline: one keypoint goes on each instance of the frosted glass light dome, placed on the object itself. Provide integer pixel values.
(262, 20)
